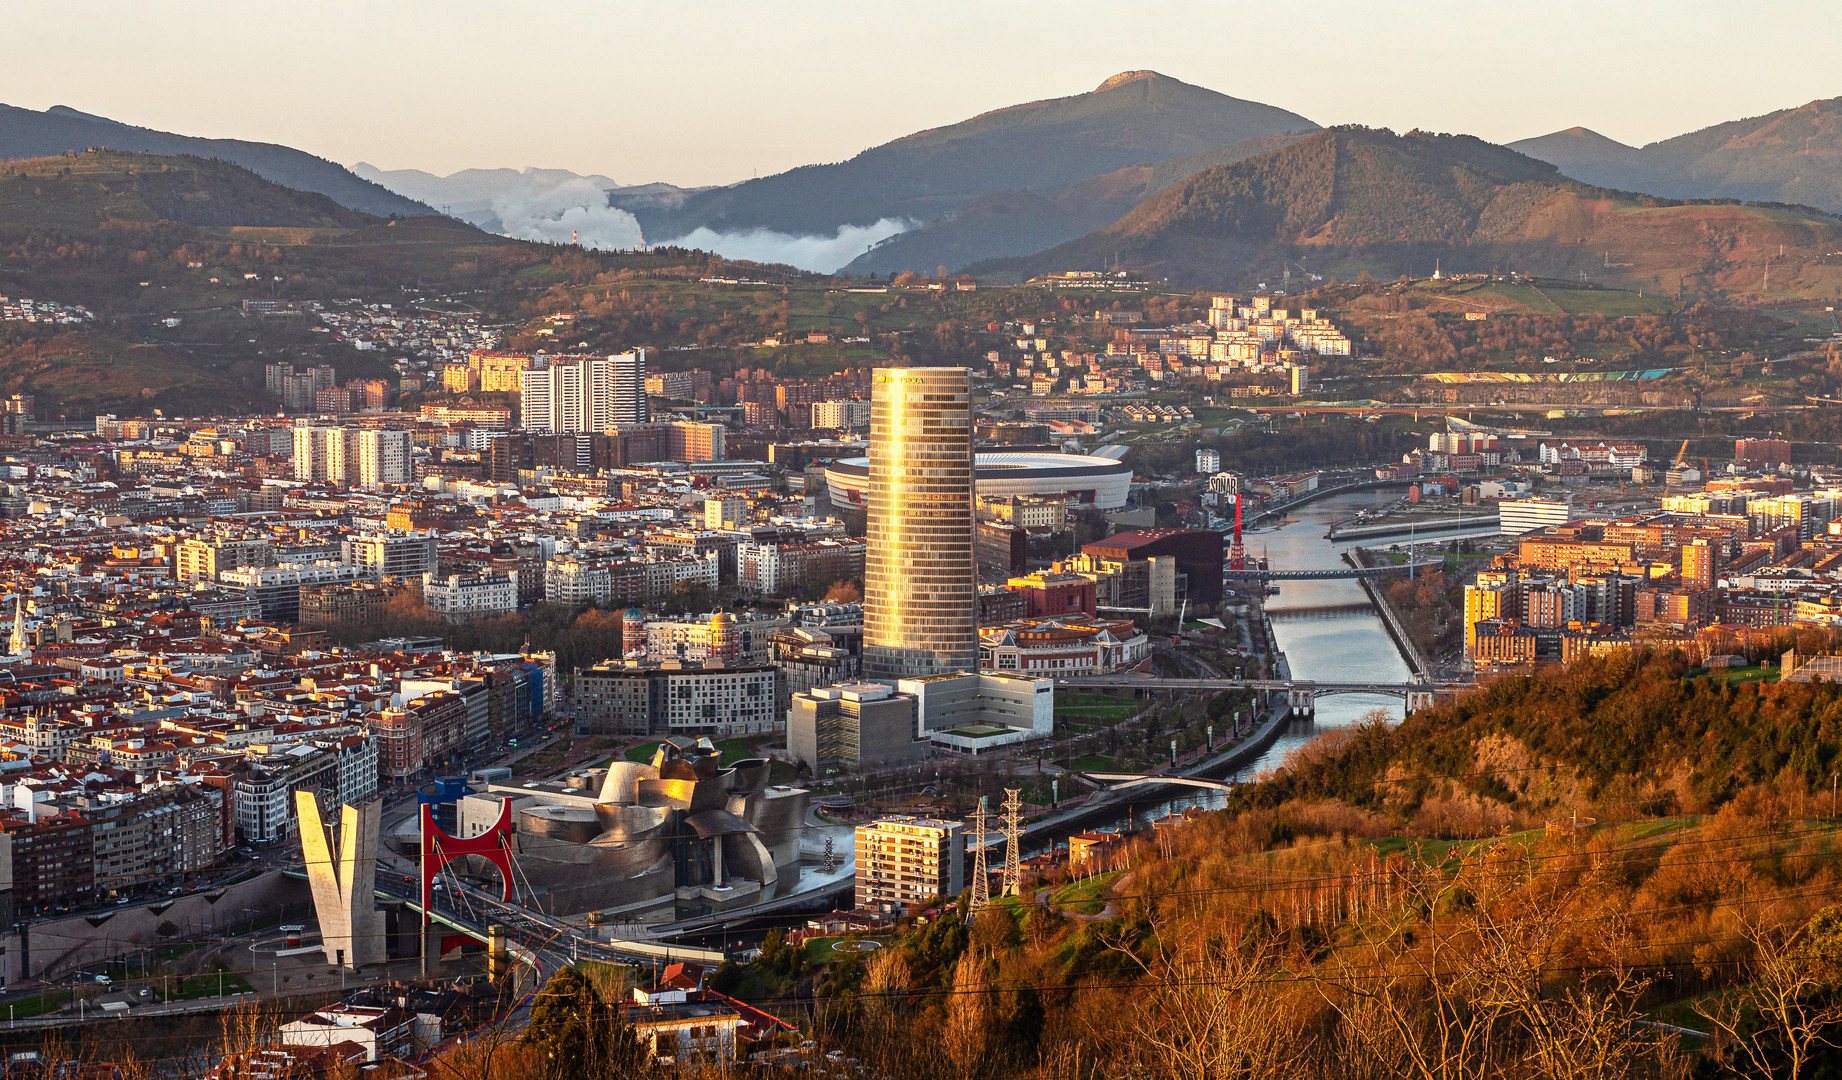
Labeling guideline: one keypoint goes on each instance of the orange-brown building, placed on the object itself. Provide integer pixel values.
(1567, 553)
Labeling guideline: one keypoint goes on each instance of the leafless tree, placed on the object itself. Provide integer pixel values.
(1212, 1010)
(1780, 991)
(966, 1035)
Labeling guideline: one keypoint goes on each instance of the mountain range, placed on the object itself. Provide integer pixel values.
(1017, 181)
(25, 133)
(1350, 200)
(1788, 156)
(1145, 170)
(1021, 222)
(1030, 156)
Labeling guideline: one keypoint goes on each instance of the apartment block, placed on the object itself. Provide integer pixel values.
(389, 554)
(358, 457)
(909, 860)
(674, 698)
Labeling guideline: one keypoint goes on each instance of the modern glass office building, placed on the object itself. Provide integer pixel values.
(920, 583)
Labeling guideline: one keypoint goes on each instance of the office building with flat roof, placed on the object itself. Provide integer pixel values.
(852, 726)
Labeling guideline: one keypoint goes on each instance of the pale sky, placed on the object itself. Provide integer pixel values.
(713, 91)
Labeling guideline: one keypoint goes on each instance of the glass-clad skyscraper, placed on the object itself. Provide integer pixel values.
(920, 583)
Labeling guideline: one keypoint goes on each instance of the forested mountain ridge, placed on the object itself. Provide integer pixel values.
(1350, 200)
(1041, 147)
(81, 191)
(1789, 156)
(25, 133)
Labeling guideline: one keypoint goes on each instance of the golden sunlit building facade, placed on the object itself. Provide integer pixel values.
(920, 583)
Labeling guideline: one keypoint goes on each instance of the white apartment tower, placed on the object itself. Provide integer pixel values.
(382, 458)
(312, 460)
(359, 457)
(534, 411)
(390, 554)
(584, 393)
(627, 400)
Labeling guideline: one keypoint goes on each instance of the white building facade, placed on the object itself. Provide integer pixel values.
(465, 597)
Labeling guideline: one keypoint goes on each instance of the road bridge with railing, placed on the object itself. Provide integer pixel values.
(1254, 573)
(1301, 694)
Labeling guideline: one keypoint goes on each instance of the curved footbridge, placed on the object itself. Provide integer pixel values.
(1126, 781)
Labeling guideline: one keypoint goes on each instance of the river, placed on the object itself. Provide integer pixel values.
(1327, 630)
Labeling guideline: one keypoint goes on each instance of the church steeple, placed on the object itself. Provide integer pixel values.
(16, 644)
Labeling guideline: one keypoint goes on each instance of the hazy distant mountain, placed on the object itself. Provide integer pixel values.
(1347, 200)
(1789, 156)
(28, 134)
(1008, 223)
(1586, 155)
(550, 205)
(1176, 170)
(469, 194)
(1040, 149)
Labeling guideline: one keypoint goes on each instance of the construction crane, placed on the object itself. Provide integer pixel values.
(1680, 454)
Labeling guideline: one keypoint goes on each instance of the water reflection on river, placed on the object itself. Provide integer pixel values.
(1327, 629)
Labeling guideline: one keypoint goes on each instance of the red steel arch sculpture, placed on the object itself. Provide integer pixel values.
(438, 849)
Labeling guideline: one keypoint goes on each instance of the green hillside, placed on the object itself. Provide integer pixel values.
(82, 191)
(1346, 187)
(120, 233)
(25, 133)
(141, 239)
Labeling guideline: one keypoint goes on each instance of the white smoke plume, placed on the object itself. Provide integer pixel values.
(820, 254)
(576, 207)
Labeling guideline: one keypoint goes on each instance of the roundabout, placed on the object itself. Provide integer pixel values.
(859, 945)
